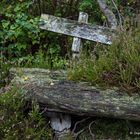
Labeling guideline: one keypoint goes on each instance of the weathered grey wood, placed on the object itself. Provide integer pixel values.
(77, 44)
(61, 124)
(61, 95)
(108, 13)
(76, 29)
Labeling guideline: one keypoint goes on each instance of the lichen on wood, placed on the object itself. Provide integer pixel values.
(61, 95)
(76, 29)
(77, 42)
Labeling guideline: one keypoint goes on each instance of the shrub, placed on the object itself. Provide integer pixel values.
(17, 121)
(19, 30)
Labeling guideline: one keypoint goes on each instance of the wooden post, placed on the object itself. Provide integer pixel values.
(61, 124)
(77, 44)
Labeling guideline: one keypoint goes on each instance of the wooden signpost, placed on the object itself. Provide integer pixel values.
(79, 29)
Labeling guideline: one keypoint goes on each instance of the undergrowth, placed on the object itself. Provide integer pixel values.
(41, 60)
(19, 122)
(115, 65)
(4, 70)
(109, 129)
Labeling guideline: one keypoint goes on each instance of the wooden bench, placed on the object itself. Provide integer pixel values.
(62, 98)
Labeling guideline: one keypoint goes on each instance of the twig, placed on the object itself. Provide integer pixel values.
(93, 136)
(78, 133)
(119, 15)
(44, 110)
(78, 122)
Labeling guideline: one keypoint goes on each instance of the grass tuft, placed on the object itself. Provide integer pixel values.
(17, 121)
(117, 65)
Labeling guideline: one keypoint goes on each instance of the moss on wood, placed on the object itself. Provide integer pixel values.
(58, 94)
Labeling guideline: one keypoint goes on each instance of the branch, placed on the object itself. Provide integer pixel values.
(119, 15)
(93, 136)
(108, 13)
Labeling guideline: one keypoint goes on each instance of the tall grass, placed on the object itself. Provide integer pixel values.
(117, 65)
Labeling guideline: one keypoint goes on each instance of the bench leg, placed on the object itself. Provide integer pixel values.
(61, 124)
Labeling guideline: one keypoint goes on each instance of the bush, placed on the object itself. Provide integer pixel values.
(19, 120)
(22, 42)
(19, 30)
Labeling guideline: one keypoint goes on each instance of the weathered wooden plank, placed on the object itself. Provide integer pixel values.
(58, 94)
(77, 43)
(76, 29)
